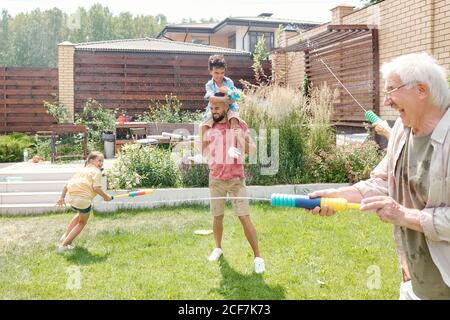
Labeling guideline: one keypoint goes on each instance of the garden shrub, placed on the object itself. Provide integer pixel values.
(169, 112)
(283, 109)
(194, 175)
(13, 145)
(98, 120)
(140, 166)
(351, 163)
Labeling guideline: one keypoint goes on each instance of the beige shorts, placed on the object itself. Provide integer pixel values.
(235, 188)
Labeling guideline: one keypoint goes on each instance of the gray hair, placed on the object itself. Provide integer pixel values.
(421, 67)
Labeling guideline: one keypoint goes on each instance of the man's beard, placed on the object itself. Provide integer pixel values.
(219, 118)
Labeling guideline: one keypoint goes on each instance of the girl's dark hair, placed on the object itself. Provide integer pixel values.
(217, 61)
(92, 156)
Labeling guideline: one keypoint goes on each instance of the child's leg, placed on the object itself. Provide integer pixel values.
(72, 224)
(234, 123)
(83, 218)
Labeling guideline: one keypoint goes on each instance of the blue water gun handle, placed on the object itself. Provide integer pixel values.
(294, 201)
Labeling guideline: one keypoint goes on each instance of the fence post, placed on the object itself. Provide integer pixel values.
(66, 52)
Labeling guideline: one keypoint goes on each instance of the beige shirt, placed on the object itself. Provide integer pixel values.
(80, 186)
(435, 217)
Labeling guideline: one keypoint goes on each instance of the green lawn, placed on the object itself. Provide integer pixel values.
(154, 254)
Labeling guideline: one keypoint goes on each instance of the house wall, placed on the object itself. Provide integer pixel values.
(242, 40)
(405, 26)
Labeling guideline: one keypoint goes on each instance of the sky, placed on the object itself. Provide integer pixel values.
(176, 10)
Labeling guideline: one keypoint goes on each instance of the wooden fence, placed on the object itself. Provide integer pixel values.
(124, 81)
(130, 81)
(22, 92)
(351, 52)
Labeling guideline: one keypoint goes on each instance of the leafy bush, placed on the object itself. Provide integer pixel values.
(307, 150)
(283, 109)
(194, 175)
(57, 110)
(254, 176)
(98, 120)
(169, 112)
(140, 166)
(12, 146)
(44, 147)
(347, 163)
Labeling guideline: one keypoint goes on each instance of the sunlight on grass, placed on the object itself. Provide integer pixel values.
(155, 254)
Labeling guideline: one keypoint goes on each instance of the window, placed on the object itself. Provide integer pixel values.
(232, 41)
(200, 41)
(254, 36)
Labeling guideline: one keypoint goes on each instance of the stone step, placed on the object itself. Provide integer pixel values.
(33, 186)
(48, 175)
(29, 197)
(25, 171)
(28, 209)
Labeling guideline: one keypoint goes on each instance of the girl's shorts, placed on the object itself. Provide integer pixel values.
(84, 211)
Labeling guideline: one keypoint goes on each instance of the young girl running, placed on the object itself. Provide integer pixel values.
(82, 188)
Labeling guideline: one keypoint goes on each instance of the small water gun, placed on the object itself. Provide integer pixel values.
(134, 193)
(300, 201)
(231, 92)
(375, 120)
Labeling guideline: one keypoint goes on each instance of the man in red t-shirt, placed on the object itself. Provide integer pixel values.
(225, 149)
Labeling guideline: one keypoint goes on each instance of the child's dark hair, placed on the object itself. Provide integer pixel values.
(217, 61)
(92, 156)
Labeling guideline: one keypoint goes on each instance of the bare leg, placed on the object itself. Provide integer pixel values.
(250, 233)
(83, 218)
(218, 230)
(72, 224)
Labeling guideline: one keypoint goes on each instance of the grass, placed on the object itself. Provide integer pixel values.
(154, 254)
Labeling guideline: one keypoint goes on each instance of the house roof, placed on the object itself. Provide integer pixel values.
(260, 21)
(156, 46)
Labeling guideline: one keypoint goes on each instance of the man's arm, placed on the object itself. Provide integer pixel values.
(204, 141)
(375, 186)
(244, 141)
(436, 223)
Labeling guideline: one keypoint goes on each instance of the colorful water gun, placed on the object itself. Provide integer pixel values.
(299, 201)
(231, 92)
(375, 120)
(134, 193)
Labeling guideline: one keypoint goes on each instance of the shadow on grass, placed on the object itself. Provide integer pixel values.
(238, 286)
(82, 256)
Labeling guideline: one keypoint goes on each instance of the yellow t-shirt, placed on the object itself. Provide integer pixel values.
(80, 186)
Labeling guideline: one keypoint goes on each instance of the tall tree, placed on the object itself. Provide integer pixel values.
(5, 48)
(32, 38)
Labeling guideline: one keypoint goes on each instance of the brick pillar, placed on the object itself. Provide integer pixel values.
(66, 52)
(339, 12)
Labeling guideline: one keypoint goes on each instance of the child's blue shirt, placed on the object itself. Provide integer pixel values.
(212, 88)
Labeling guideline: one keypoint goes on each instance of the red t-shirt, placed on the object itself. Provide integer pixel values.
(221, 165)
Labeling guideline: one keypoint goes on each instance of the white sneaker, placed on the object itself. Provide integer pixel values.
(215, 254)
(260, 266)
(62, 249)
